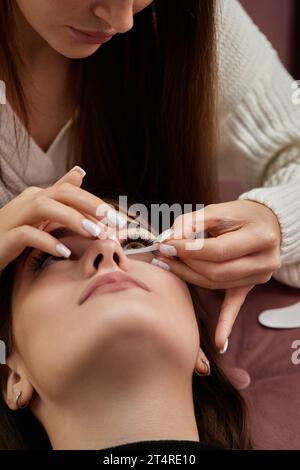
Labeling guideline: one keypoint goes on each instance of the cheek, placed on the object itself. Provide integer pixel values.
(46, 335)
(171, 306)
(42, 318)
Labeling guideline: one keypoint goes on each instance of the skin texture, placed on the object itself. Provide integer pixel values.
(89, 370)
(47, 46)
(51, 20)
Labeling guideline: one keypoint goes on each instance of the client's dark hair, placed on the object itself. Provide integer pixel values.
(220, 410)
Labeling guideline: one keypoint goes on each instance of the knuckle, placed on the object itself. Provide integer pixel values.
(63, 188)
(265, 278)
(214, 274)
(219, 254)
(179, 222)
(31, 190)
(22, 232)
(271, 238)
(276, 264)
(40, 204)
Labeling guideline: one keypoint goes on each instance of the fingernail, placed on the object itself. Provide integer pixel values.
(63, 250)
(91, 227)
(165, 235)
(168, 250)
(160, 264)
(114, 238)
(222, 351)
(101, 209)
(115, 220)
(79, 169)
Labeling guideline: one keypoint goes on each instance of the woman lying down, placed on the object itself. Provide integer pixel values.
(106, 367)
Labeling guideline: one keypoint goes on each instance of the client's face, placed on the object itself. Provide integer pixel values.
(63, 338)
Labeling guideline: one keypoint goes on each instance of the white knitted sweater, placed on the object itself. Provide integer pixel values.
(259, 133)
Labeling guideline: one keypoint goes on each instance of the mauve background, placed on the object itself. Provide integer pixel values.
(273, 395)
(276, 19)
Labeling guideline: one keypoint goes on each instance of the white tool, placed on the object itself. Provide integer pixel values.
(284, 317)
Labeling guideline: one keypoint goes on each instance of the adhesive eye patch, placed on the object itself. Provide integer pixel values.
(144, 249)
(285, 317)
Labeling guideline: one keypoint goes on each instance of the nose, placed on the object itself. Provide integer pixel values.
(117, 13)
(104, 256)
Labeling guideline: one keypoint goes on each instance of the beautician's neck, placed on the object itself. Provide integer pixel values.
(158, 411)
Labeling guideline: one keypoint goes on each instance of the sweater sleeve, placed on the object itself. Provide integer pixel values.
(260, 127)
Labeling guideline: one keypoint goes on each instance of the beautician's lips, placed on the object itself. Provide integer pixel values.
(91, 37)
(114, 280)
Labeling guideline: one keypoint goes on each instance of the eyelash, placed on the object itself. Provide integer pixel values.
(37, 261)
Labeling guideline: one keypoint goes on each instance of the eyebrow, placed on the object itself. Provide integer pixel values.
(58, 233)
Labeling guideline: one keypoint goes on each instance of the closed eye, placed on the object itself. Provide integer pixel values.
(41, 260)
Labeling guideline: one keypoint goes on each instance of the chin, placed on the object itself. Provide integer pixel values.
(76, 52)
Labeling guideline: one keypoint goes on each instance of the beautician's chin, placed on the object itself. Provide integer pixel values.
(78, 46)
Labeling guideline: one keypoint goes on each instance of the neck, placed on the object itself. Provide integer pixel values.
(151, 411)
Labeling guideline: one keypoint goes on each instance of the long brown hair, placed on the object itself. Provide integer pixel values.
(146, 100)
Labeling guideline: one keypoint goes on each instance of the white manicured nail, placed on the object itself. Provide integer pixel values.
(222, 351)
(168, 250)
(115, 220)
(165, 235)
(114, 238)
(79, 169)
(160, 264)
(101, 209)
(63, 250)
(91, 227)
(112, 218)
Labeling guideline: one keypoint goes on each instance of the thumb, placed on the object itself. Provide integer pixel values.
(73, 176)
(233, 300)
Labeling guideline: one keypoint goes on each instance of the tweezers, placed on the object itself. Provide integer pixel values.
(154, 247)
(167, 234)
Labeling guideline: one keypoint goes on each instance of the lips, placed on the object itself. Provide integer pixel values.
(110, 278)
(91, 36)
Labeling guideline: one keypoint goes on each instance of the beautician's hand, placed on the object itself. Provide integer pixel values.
(244, 251)
(22, 220)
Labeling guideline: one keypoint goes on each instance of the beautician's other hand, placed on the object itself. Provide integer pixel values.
(22, 220)
(244, 251)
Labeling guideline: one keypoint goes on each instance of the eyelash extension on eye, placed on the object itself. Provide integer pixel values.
(37, 261)
(139, 239)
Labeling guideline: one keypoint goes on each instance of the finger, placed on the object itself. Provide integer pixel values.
(225, 247)
(47, 208)
(44, 225)
(180, 268)
(233, 300)
(247, 266)
(86, 202)
(27, 236)
(73, 176)
(207, 219)
(186, 225)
